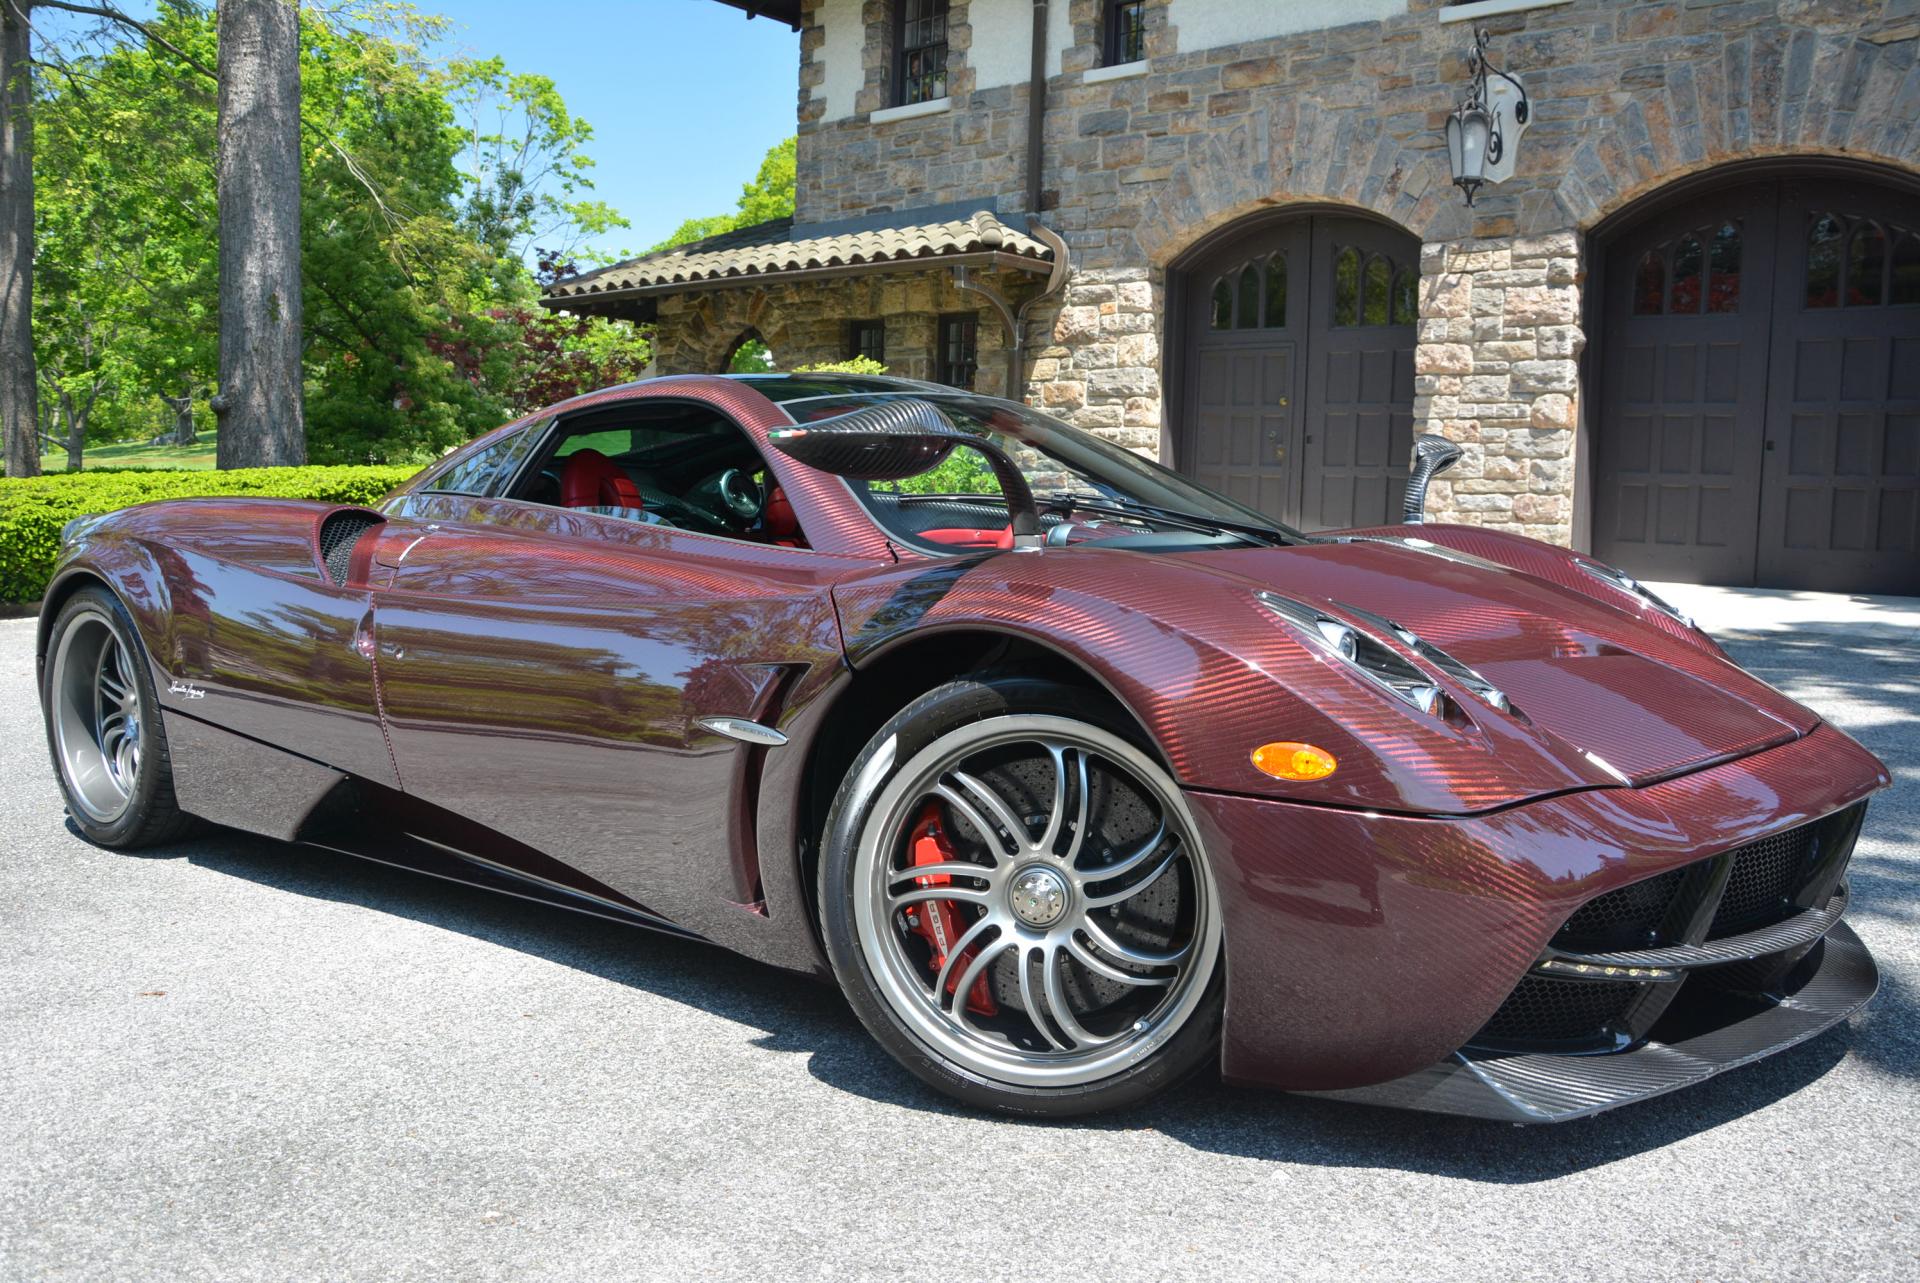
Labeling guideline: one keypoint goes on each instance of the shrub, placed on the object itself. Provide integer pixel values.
(33, 509)
(852, 365)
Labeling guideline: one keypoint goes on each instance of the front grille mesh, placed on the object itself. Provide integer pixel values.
(1766, 876)
(1628, 918)
(1543, 1009)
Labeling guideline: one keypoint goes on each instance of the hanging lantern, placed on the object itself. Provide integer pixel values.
(1479, 149)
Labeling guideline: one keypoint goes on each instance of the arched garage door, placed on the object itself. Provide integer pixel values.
(1298, 374)
(1759, 411)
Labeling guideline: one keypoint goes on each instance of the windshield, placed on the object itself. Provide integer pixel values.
(1093, 488)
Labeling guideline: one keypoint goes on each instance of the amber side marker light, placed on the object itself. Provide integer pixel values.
(1287, 760)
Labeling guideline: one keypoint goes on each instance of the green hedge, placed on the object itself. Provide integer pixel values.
(33, 509)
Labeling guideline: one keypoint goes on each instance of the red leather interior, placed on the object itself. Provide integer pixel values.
(960, 537)
(778, 522)
(591, 480)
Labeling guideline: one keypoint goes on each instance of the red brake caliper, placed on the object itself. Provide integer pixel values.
(938, 921)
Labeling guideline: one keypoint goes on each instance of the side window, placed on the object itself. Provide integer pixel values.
(487, 472)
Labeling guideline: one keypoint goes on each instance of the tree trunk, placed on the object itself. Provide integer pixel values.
(262, 421)
(184, 432)
(19, 390)
(76, 420)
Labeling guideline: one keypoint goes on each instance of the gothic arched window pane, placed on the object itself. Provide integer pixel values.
(1823, 262)
(1686, 276)
(1650, 285)
(1866, 263)
(1222, 306)
(1723, 286)
(1247, 316)
(1374, 297)
(1906, 270)
(1276, 317)
(1346, 287)
(1406, 297)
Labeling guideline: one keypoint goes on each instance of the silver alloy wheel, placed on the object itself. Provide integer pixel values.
(96, 716)
(1037, 891)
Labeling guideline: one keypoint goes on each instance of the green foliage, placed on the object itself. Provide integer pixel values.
(965, 471)
(422, 186)
(525, 161)
(751, 357)
(852, 365)
(33, 510)
(768, 196)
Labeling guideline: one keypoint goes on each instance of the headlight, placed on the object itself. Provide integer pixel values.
(1634, 588)
(1366, 654)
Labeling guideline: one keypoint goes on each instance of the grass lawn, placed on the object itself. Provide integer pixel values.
(136, 454)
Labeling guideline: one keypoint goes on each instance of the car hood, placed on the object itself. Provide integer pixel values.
(1604, 687)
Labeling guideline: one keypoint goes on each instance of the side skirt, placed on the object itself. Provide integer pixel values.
(243, 783)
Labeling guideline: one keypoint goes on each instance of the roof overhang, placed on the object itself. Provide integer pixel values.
(777, 252)
(787, 11)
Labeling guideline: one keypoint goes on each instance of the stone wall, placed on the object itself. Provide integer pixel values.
(1627, 97)
(1497, 369)
(806, 322)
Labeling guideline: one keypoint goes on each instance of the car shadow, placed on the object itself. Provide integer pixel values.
(799, 1014)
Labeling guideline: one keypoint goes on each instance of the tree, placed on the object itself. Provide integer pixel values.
(19, 386)
(525, 164)
(262, 422)
(767, 197)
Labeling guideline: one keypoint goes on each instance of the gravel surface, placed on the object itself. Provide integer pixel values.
(231, 1059)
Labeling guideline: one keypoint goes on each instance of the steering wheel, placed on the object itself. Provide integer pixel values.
(741, 493)
(1061, 535)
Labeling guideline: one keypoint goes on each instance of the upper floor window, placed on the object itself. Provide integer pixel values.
(868, 339)
(958, 357)
(1124, 31)
(920, 51)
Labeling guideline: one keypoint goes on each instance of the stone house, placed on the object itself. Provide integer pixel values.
(1684, 334)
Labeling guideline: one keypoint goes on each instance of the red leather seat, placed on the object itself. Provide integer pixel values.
(778, 523)
(591, 480)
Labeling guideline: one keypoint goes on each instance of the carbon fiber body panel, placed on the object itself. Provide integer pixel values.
(1837, 980)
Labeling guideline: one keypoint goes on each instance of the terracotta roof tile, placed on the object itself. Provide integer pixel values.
(768, 249)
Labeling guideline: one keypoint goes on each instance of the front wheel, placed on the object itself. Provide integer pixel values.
(103, 726)
(1017, 903)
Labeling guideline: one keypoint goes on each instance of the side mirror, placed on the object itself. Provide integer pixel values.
(1432, 455)
(899, 439)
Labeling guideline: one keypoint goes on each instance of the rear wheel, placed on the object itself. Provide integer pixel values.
(1017, 904)
(103, 726)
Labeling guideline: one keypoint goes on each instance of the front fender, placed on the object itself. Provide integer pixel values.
(1210, 675)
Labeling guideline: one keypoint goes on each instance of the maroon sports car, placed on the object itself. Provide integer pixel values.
(1076, 776)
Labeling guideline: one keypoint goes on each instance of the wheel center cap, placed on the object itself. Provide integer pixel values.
(1039, 897)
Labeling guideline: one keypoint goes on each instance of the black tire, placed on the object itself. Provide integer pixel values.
(151, 813)
(927, 720)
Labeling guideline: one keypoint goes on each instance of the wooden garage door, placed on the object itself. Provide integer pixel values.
(1760, 411)
(1299, 374)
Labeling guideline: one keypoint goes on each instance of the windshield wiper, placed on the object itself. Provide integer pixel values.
(1065, 504)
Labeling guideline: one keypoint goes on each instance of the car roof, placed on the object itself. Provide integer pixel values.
(795, 387)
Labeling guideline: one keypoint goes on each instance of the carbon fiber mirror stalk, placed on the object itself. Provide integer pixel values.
(1432, 455)
(901, 439)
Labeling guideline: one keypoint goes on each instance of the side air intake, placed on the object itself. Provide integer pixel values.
(339, 532)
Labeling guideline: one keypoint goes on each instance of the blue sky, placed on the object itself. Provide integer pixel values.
(684, 96)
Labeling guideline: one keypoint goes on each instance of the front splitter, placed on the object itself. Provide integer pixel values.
(1520, 1088)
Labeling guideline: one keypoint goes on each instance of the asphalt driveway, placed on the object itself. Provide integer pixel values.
(229, 1059)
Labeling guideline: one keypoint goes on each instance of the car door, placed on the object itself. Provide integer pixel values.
(543, 672)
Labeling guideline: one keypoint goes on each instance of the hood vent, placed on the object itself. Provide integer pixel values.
(339, 532)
